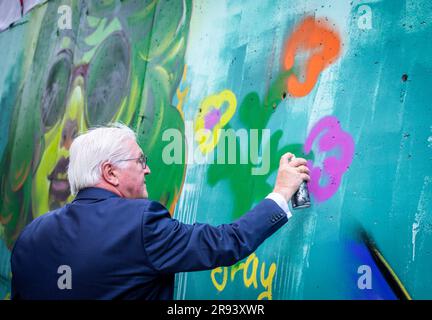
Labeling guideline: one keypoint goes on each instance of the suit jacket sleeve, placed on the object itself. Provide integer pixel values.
(172, 246)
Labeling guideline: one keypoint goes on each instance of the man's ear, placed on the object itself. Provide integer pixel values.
(110, 174)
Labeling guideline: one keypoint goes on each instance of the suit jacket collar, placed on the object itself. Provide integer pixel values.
(94, 193)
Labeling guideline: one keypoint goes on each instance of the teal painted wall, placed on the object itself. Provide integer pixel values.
(342, 83)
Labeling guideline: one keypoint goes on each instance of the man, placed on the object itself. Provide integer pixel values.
(111, 242)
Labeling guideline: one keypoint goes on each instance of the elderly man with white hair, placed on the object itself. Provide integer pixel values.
(111, 242)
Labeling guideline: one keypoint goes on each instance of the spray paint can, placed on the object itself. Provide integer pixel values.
(301, 198)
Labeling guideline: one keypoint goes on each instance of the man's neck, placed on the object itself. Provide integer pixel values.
(109, 187)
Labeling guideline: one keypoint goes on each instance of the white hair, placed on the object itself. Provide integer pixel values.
(90, 149)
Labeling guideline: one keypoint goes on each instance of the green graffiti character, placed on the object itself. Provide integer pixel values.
(121, 61)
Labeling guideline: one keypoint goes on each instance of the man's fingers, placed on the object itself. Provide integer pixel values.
(303, 169)
(298, 162)
(286, 158)
(305, 177)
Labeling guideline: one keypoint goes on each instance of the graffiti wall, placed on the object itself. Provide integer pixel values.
(343, 84)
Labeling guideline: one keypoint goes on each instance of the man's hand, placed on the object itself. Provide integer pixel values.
(292, 172)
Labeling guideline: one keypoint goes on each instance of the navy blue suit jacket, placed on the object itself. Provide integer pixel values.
(120, 248)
